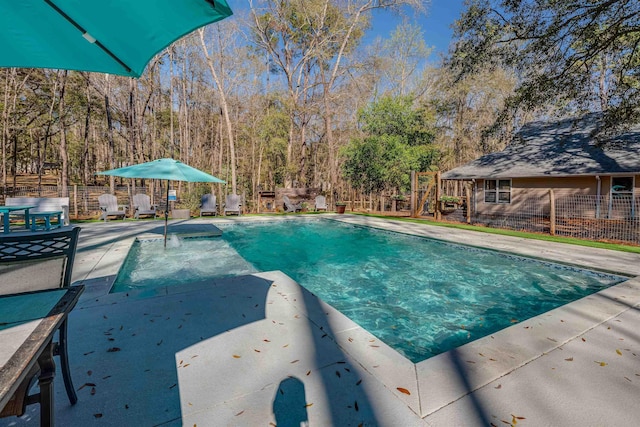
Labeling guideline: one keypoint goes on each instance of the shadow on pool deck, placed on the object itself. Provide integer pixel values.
(176, 361)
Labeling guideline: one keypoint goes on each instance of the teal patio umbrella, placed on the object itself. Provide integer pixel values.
(168, 169)
(108, 36)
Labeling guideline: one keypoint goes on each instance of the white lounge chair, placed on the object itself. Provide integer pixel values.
(289, 206)
(232, 204)
(321, 203)
(208, 204)
(110, 207)
(142, 206)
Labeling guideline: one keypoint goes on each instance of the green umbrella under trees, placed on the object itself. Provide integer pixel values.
(168, 169)
(114, 37)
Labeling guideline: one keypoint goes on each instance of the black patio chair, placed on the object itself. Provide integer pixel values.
(34, 262)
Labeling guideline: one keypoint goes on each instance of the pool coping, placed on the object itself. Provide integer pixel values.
(432, 384)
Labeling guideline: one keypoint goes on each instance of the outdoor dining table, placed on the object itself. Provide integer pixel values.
(6, 213)
(28, 322)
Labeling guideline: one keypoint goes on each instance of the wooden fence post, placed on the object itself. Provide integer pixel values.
(467, 193)
(437, 215)
(552, 213)
(75, 200)
(414, 192)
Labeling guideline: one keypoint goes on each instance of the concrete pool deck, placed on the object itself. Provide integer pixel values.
(259, 349)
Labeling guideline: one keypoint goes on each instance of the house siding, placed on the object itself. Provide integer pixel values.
(533, 193)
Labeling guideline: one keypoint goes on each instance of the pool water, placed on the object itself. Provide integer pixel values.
(420, 296)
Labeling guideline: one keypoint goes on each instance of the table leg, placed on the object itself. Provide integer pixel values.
(45, 382)
(5, 222)
(26, 219)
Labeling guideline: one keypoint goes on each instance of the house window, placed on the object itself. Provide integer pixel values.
(622, 186)
(497, 191)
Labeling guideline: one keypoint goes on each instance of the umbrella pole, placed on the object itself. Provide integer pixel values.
(166, 216)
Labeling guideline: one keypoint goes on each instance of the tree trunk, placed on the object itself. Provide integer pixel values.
(64, 155)
(112, 146)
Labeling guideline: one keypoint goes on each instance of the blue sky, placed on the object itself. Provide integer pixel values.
(435, 25)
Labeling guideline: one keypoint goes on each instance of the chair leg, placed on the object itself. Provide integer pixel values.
(64, 363)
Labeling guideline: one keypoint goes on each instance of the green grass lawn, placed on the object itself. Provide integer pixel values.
(535, 236)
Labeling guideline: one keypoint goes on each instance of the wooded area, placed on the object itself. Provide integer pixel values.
(287, 94)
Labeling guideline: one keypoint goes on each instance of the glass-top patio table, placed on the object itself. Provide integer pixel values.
(6, 212)
(28, 322)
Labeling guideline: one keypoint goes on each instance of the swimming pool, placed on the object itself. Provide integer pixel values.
(420, 296)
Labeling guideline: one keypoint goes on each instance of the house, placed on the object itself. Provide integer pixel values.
(563, 156)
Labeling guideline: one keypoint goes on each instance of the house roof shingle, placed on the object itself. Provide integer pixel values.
(562, 148)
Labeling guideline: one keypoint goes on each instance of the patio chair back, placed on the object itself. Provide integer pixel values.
(232, 204)
(109, 202)
(142, 205)
(142, 201)
(208, 204)
(37, 261)
(321, 203)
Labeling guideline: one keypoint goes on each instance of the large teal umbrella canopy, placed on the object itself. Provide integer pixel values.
(107, 36)
(169, 169)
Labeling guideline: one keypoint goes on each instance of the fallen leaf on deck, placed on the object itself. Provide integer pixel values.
(308, 373)
(240, 413)
(295, 361)
(359, 381)
(285, 346)
(86, 385)
(113, 349)
(601, 363)
(89, 353)
(172, 386)
(235, 356)
(498, 387)
(256, 350)
(97, 415)
(93, 391)
(338, 374)
(403, 390)
(158, 343)
(570, 359)
(355, 405)
(619, 352)
(308, 404)
(89, 372)
(266, 340)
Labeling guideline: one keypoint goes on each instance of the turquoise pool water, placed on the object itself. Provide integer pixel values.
(420, 296)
